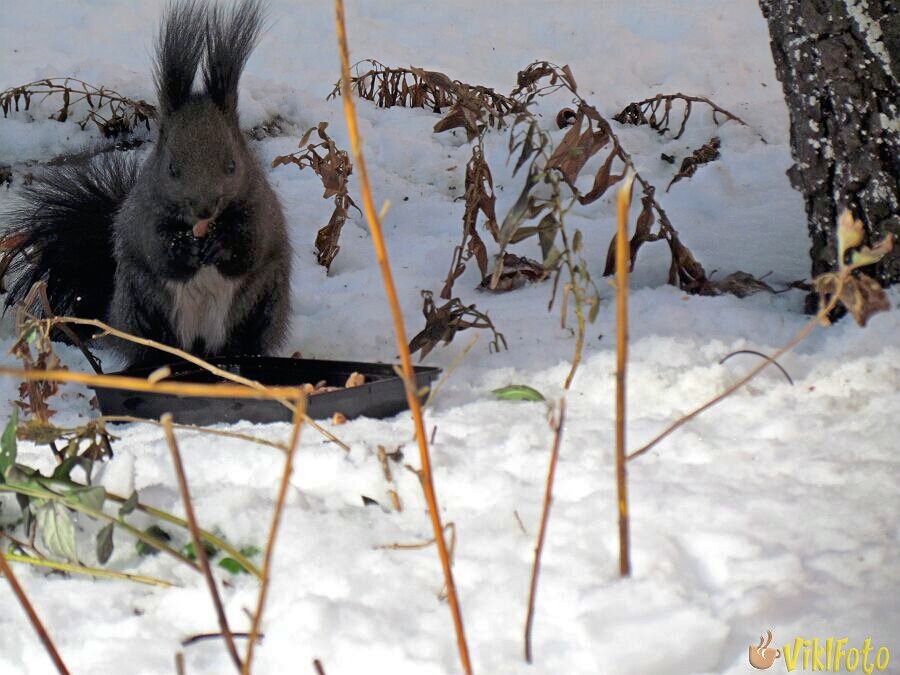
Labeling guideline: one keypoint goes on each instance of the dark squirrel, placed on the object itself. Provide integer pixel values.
(189, 249)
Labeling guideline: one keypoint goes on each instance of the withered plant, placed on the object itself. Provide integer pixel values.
(479, 199)
(542, 79)
(550, 188)
(444, 322)
(467, 106)
(109, 111)
(332, 165)
(657, 110)
(35, 349)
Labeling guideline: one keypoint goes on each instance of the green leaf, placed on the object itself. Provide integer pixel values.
(155, 531)
(232, 565)
(518, 392)
(91, 497)
(8, 443)
(209, 549)
(62, 471)
(250, 551)
(57, 530)
(105, 543)
(129, 504)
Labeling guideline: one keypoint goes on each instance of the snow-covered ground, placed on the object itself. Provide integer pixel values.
(776, 510)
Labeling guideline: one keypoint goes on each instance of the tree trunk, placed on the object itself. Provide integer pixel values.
(839, 63)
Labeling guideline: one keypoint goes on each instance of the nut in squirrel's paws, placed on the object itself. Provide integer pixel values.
(201, 227)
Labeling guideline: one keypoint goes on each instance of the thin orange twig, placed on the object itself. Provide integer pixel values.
(801, 335)
(164, 387)
(399, 333)
(32, 616)
(199, 550)
(840, 279)
(106, 329)
(545, 517)
(299, 415)
(623, 261)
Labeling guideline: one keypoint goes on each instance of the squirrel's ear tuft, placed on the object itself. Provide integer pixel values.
(231, 34)
(179, 48)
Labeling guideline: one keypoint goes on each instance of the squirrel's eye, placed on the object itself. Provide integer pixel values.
(173, 170)
(230, 167)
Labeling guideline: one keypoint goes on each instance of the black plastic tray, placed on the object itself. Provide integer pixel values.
(382, 395)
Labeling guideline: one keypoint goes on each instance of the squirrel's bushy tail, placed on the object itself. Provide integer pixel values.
(60, 233)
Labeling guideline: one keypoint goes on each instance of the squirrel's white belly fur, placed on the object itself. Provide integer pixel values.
(200, 308)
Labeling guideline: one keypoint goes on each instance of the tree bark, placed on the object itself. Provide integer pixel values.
(839, 63)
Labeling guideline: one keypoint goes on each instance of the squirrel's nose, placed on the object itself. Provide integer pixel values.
(202, 208)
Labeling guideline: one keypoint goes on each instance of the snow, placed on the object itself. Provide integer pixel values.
(777, 509)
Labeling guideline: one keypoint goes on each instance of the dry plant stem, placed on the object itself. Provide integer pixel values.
(542, 530)
(578, 302)
(22, 545)
(418, 545)
(285, 399)
(623, 253)
(140, 384)
(193, 427)
(166, 422)
(519, 521)
(318, 666)
(88, 571)
(797, 339)
(762, 356)
(399, 332)
(174, 351)
(68, 332)
(299, 415)
(309, 421)
(194, 639)
(32, 616)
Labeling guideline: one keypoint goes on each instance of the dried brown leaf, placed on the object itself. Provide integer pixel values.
(480, 199)
(333, 167)
(741, 285)
(861, 295)
(515, 272)
(576, 149)
(444, 322)
(706, 153)
(602, 181)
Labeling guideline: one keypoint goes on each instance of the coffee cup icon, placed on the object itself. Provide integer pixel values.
(762, 656)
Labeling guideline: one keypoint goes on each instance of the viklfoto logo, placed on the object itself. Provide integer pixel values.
(762, 656)
(828, 655)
